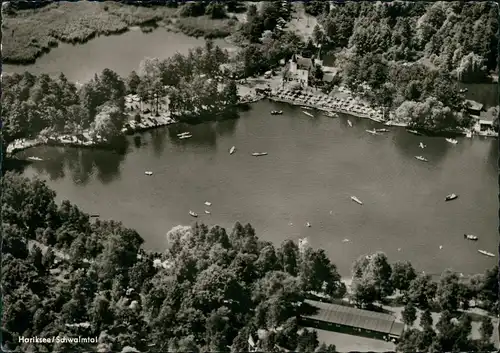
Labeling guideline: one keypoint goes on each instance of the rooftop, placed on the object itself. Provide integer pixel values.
(353, 317)
(474, 105)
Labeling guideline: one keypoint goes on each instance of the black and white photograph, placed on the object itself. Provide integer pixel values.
(249, 176)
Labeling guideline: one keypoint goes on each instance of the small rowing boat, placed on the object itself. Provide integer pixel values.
(470, 237)
(373, 132)
(306, 107)
(308, 114)
(183, 137)
(192, 214)
(35, 159)
(94, 215)
(207, 212)
(148, 173)
(183, 134)
(452, 141)
(421, 145)
(258, 154)
(331, 114)
(231, 151)
(421, 158)
(308, 225)
(451, 197)
(208, 203)
(382, 130)
(487, 253)
(276, 112)
(349, 123)
(414, 132)
(355, 199)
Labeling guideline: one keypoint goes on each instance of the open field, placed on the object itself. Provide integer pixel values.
(27, 34)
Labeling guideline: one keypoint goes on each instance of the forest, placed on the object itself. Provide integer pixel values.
(66, 274)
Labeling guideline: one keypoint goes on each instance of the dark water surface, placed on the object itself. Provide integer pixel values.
(313, 167)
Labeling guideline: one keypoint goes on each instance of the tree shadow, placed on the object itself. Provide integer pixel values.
(226, 127)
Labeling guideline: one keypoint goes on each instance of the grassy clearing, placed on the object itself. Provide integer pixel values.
(206, 27)
(30, 33)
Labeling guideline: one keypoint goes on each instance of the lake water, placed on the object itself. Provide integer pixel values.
(121, 53)
(313, 167)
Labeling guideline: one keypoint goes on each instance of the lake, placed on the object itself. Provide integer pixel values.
(121, 53)
(312, 169)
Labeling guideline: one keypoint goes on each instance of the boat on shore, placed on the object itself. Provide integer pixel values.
(355, 199)
(192, 214)
(276, 112)
(470, 237)
(331, 114)
(208, 203)
(382, 130)
(421, 145)
(349, 123)
(183, 137)
(487, 253)
(373, 132)
(258, 154)
(148, 172)
(414, 132)
(421, 158)
(231, 151)
(308, 114)
(451, 197)
(34, 159)
(207, 212)
(452, 141)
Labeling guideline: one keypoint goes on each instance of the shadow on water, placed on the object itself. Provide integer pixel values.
(158, 138)
(226, 127)
(137, 141)
(494, 154)
(408, 145)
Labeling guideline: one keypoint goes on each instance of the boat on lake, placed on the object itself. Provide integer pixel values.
(355, 199)
(231, 151)
(487, 253)
(208, 203)
(183, 134)
(421, 158)
(382, 130)
(451, 197)
(349, 123)
(94, 215)
(35, 159)
(453, 141)
(414, 132)
(306, 107)
(258, 154)
(192, 214)
(308, 114)
(463, 90)
(207, 212)
(373, 132)
(470, 237)
(276, 112)
(183, 137)
(148, 172)
(308, 225)
(331, 114)
(421, 145)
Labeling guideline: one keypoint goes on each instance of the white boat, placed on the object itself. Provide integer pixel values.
(207, 212)
(373, 132)
(414, 132)
(308, 225)
(331, 114)
(451, 197)
(306, 108)
(183, 134)
(345, 240)
(421, 145)
(308, 114)
(349, 123)
(231, 151)
(258, 154)
(355, 199)
(148, 173)
(470, 237)
(185, 137)
(37, 159)
(192, 214)
(453, 141)
(487, 253)
(420, 158)
(208, 203)
(382, 130)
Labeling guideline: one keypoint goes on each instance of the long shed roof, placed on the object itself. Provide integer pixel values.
(353, 317)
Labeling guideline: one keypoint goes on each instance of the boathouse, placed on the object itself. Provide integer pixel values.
(349, 320)
(473, 107)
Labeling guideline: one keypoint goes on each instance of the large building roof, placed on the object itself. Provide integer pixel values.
(353, 317)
